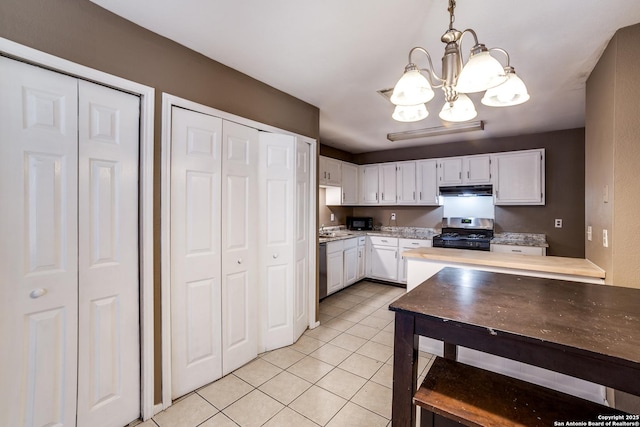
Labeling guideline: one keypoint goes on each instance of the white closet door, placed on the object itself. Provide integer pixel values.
(302, 217)
(108, 327)
(239, 245)
(277, 221)
(196, 328)
(38, 248)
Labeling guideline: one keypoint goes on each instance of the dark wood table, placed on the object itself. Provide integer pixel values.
(582, 330)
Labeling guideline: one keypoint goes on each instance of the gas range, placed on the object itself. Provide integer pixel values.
(465, 233)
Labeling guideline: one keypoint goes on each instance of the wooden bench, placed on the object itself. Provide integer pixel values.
(454, 393)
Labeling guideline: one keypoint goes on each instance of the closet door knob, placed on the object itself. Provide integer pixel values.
(275, 256)
(37, 293)
(240, 261)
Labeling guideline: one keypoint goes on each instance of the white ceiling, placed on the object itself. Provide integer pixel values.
(335, 54)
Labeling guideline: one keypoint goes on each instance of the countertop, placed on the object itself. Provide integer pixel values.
(549, 264)
(520, 239)
(397, 232)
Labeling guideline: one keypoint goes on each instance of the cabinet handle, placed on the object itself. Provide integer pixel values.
(359, 254)
(396, 254)
(414, 195)
(467, 174)
(344, 196)
(421, 195)
(37, 293)
(516, 250)
(376, 197)
(415, 243)
(325, 174)
(382, 197)
(329, 173)
(385, 241)
(459, 175)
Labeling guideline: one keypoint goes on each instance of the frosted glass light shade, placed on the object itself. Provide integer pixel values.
(511, 92)
(412, 89)
(410, 113)
(480, 73)
(460, 110)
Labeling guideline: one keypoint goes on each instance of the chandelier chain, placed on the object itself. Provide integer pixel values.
(452, 18)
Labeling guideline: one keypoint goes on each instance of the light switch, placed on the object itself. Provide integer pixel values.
(605, 193)
(589, 233)
(605, 238)
(333, 217)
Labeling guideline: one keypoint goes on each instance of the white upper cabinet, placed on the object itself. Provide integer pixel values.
(406, 183)
(330, 171)
(450, 171)
(427, 182)
(349, 184)
(387, 177)
(519, 178)
(476, 169)
(369, 185)
(466, 170)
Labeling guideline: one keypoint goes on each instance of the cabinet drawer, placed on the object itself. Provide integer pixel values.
(334, 246)
(383, 241)
(350, 243)
(415, 243)
(522, 250)
(362, 240)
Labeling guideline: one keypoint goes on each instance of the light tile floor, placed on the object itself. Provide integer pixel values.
(338, 374)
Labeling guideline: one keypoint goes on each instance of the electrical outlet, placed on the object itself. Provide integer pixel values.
(558, 223)
(393, 216)
(589, 233)
(605, 238)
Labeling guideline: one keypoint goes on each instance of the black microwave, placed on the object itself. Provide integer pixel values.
(360, 223)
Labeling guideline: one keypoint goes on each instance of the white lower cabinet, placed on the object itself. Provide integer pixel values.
(406, 245)
(362, 257)
(522, 250)
(383, 258)
(335, 266)
(350, 258)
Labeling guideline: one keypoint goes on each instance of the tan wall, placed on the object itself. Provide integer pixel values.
(564, 188)
(80, 31)
(324, 211)
(612, 158)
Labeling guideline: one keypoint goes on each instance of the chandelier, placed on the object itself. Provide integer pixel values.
(482, 72)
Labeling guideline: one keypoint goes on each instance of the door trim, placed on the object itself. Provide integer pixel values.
(169, 101)
(32, 56)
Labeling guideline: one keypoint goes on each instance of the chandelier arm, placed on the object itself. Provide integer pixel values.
(499, 49)
(475, 40)
(431, 74)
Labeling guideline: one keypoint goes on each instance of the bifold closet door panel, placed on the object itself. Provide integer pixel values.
(277, 228)
(108, 290)
(196, 313)
(302, 216)
(38, 248)
(240, 290)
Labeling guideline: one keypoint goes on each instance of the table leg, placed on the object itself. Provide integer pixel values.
(450, 351)
(405, 369)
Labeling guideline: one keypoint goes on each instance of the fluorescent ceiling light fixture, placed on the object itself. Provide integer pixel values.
(482, 72)
(435, 131)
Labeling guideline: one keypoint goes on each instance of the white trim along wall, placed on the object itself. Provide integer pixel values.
(169, 101)
(26, 54)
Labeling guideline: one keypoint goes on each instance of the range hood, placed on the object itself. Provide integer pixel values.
(466, 190)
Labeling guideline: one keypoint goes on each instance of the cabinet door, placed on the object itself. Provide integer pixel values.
(384, 262)
(239, 249)
(427, 182)
(361, 263)
(350, 266)
(406, 183)
(322, 170)
(477, 170)
(450, 171)
(387, 176)
(334, 171)
(349, 184)
(369, 184)
(335, 272)
(519, 178)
